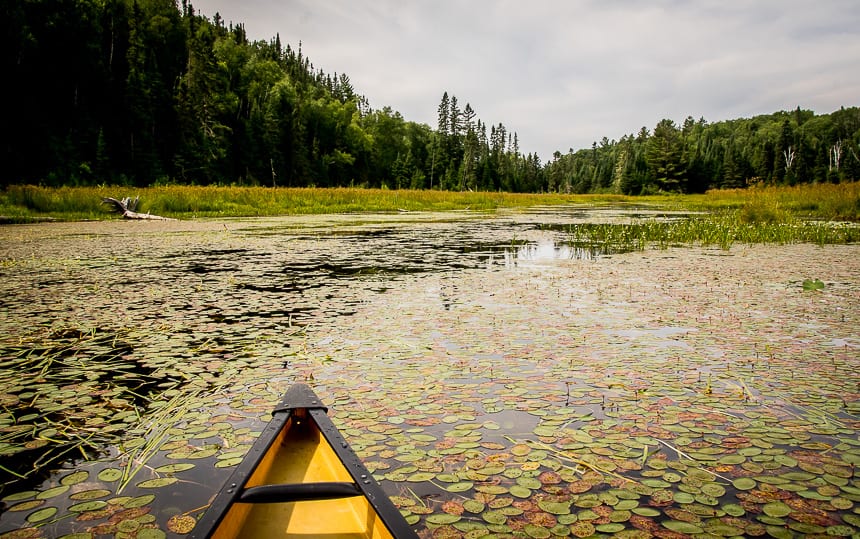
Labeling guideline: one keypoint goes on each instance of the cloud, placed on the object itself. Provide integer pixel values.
(563, 74)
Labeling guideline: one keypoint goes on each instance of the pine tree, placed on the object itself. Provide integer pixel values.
(443, 124)
(665, 157)
(454, 118)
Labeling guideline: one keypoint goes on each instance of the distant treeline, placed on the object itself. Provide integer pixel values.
(785, 148)
(143, 92)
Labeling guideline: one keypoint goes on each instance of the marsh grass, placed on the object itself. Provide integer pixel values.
(805, 213)
(757, 204)
(23, 203)
(830, 202)
(721, 229)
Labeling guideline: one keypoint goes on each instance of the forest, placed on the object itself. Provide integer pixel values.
(150, 92)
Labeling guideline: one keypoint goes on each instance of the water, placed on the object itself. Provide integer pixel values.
(420, 331)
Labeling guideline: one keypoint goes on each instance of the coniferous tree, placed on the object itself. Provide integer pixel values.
(665, 157)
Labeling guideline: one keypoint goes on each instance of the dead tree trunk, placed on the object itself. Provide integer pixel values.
(127, 206)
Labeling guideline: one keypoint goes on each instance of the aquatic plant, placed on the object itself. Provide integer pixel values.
(722, 229)
(775, 205)
(695, 391)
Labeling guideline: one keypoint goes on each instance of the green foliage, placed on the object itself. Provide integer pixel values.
(840, 202)
(721, 229)
(665, 157)
(22, 203)
(144, 92)
(813, 284)
(778, 149)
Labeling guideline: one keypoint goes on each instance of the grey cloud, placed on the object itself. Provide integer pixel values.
(565, 73)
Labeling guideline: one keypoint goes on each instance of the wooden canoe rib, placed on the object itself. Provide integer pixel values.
(301, 480)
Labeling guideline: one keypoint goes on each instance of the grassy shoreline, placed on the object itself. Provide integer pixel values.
(25, 203)
(760, 204)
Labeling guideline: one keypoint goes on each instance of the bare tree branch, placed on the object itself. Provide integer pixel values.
(127, 208)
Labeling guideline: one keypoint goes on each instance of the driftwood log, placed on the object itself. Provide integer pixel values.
(127, 207)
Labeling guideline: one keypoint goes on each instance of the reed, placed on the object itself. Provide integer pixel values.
(831, 202)
(22, 203)
(722, 229)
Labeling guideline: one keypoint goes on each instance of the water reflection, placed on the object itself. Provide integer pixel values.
(547, 250)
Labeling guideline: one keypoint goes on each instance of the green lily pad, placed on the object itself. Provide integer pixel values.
(442, 518)
(626, 505)
(421, 477)
(109, 475)
(175, 468)
(18, 496)
(494, 517)
(41, 515)
(537, 532)
(139, 501)
(779, 532)
(52, 492)
(474, 506)
(555, 508)
(157, 482)
(683, 497)
(227, 463)
(520, 491)
(74, 478)
(733, 509)
(682, 527)
(92, 505)
(813, 284)
(744, 483)
(529, 482)
(776, 509)
(713, 489)
(91, 494)
(732, 459)
(461, 486)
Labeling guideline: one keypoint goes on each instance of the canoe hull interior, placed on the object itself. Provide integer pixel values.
(301, 454)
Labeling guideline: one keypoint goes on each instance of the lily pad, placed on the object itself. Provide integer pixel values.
(494, 517)
(682, 527)
(74, 478)
(109, 475)
(776, 509)
(555, 508)
(474, 506)
(813, 284)
(52, 492)
(42, 514)
(175, 468)
(744, 483)
(442, 518)
(537, 532)
(92, 505)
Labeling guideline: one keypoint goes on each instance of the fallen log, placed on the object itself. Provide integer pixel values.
(127, 208)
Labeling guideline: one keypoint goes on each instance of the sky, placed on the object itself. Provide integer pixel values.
(563, 74)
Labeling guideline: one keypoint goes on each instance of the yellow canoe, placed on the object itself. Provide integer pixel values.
(300, 480)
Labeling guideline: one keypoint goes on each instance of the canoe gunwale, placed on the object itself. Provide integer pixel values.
(301, 401)
(299, 397)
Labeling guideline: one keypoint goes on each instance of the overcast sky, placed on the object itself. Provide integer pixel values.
(565, 73)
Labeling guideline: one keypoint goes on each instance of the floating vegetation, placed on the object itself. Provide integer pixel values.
(495, 375)
(67, 393)
(721, 230)
(813, 284)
